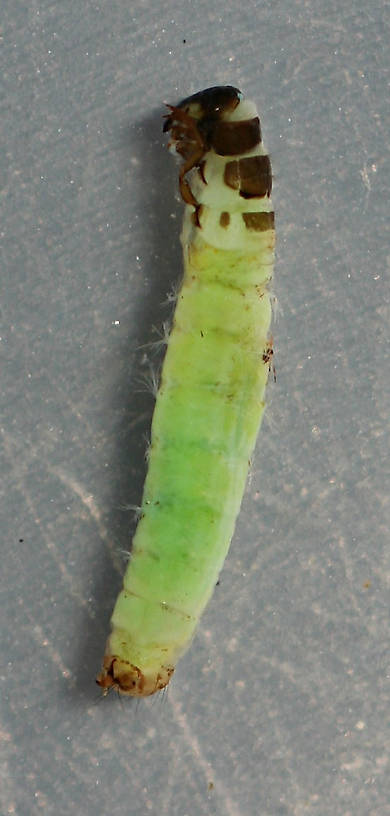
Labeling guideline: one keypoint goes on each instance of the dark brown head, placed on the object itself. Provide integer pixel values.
(198, 124)
(193, 121)
(209, 104)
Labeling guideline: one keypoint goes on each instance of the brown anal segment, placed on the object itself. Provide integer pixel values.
(124, 677)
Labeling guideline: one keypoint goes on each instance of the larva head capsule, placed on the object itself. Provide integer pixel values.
(191, 122)
(209, 120)
(210, 103)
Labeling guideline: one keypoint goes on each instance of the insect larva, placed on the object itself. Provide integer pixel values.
(211, 397)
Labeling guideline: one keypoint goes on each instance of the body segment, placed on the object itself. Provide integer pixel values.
(211, 396)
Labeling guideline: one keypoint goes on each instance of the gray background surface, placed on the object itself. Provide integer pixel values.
(280, 706)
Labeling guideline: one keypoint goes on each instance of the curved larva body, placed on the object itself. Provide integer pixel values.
(211, 398)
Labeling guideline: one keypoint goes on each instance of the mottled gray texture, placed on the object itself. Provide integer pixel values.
(282, 701)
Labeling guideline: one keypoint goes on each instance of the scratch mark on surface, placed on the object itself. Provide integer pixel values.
(289, 771)
(65, 574)
(54, 655)
(229, 806)
(172, 776)
(138, 419)
(89, 502)
(344, 554)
